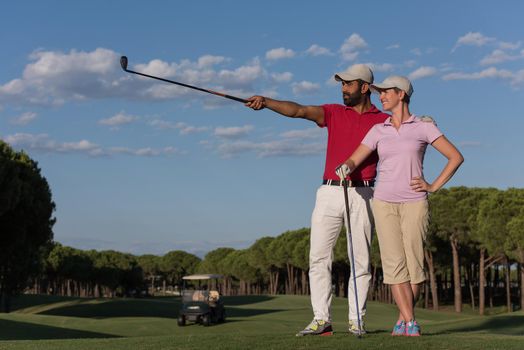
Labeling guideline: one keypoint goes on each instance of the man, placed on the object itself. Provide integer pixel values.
(347, 125)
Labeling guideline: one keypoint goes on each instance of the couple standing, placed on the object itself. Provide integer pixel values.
(359, 136)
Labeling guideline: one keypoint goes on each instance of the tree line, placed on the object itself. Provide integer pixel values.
(476, 238)
(474, 252)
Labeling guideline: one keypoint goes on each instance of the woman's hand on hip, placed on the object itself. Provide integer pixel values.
(418, 184)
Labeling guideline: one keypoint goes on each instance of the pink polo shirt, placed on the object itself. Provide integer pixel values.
(401, 153)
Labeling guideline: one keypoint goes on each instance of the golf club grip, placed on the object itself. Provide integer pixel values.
(234, 98)
(238, 99)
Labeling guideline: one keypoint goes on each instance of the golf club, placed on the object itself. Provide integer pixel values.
(123, 63)
(350, 241)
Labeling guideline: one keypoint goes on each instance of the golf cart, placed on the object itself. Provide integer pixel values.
(201, 302)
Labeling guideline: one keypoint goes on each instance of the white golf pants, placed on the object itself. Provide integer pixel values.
(326, 222)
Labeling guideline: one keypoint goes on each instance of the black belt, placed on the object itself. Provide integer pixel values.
(355, 183)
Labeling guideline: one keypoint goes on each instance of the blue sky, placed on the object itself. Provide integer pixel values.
(145, 167)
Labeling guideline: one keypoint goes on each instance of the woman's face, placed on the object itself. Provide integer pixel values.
(390, 98)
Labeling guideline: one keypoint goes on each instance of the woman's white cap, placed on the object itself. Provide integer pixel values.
(394, 81)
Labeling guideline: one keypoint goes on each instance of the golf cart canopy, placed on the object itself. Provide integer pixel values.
(208, 276)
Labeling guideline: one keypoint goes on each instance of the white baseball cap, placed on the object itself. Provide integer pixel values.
(394, 81)
(356, 72)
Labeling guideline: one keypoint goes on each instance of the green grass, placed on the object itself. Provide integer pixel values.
(254, 322)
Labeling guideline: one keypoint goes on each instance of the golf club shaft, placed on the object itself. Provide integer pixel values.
(350, 240)
(124, 67)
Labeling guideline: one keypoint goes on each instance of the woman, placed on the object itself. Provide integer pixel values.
(400, 204)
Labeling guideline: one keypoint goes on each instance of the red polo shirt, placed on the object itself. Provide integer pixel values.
(346, 129)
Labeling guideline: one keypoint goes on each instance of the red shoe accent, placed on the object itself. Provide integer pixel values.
(326, 334)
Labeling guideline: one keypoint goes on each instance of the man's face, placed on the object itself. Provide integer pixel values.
(352, 93)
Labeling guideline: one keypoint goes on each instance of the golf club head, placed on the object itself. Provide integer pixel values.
(123, 62)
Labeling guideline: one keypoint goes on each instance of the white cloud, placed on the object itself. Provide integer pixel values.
(311, 133)
(499, 56)
(118, 119)
(279, 148)
(316, 50)
(422, 72)
(186, 129)
(79, 146)
(380, 67)
(351, 47)
(491, 72)
(393, 46)
(44, 143)
(410, 63)
(282, 77)
(210, 60)
(242, 77)
(238, 80)
(191, 71)
(55, 64)
(305, 87)
(233, 132)
(54, 78)
(300, 142)
(183, 128)
(24, 118)
(143, 152)
(503, 45)
(14, 87)
(416, 51)
(445, 67)
(280, 53)
(164, 92)
(472, 39)
(157, 68)
(518, 78)
(162, 124)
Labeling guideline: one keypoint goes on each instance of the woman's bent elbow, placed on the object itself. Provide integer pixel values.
(459, 160)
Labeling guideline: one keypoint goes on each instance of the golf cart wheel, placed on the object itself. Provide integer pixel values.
(181, 320)
(206, 320)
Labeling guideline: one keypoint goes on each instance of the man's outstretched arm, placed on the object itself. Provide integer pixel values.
(288, 108)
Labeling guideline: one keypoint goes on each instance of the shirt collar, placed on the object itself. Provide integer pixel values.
(372, 109)
(410, 120)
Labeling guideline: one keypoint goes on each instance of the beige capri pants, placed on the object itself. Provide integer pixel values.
(401, 230)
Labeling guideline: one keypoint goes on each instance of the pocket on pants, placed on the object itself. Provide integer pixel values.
(323, 202)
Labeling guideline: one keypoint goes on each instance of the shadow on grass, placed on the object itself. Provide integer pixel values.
(100, 309)
(379, 331)
(244, 312)
(14, 330)
(246, 299)
(106, 308)
(504, 325)
(26, 301)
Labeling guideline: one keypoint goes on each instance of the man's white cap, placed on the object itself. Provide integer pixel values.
(356, 72)
(394, 81)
